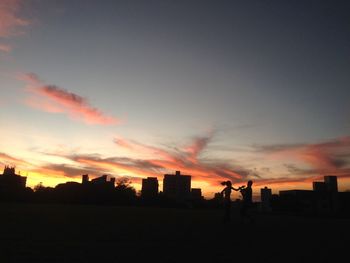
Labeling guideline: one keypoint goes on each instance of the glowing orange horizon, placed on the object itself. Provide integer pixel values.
(155, 162)
(51, 178)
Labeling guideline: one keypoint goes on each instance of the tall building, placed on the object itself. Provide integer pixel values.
(149, 187)
(332, 190)
(331, 183)
(265, 194)
(177, 186)
(85, 179)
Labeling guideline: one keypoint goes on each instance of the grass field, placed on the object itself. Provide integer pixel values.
(72, 233)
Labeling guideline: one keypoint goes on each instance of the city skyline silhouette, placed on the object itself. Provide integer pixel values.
(323, 200)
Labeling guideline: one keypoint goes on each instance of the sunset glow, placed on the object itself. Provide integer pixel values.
(99, 89)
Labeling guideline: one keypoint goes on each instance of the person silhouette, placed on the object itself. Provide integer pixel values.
(247, 194)
(227, 199)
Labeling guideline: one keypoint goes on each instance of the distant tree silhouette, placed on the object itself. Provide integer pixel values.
(123, 183)
(38, 187)
(43, 194)
(124, 193)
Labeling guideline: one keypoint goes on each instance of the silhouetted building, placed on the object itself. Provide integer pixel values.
(319, 186)
(177, 186)
(196, 194)
(13, 186)
(101, 181)
(85, 179)
(9, 180)
(331, 183)
(344, 203)
(265, 195)
(96, 191)
(297, 200)
(324, 198)
(149, 187)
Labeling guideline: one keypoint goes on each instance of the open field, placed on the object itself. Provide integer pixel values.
(72, 233)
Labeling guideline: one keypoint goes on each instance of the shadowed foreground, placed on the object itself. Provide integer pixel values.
(63, 233)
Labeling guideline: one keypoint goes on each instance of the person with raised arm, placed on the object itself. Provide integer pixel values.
(226, 192)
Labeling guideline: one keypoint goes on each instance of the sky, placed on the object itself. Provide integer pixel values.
(220, 90)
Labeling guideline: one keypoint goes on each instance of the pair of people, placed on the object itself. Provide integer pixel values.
(247, 194)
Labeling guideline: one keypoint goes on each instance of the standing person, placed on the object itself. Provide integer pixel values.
(227, 199)
(247, 194)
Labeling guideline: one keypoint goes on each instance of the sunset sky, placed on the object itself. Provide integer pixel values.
(220, 90)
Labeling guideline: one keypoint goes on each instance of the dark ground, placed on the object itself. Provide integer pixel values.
(73, 233)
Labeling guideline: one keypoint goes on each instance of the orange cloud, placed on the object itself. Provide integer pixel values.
(6, 159)
(53, 99)
(65, 170)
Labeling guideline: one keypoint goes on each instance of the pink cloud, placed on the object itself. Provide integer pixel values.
(10, 21)
(11, 24)
(43, 105)
(332, 156)
(31, 78)
(53, 99)
(196, 147)
(328, 155)
(5, 48)
(137, 147)
(187, 160)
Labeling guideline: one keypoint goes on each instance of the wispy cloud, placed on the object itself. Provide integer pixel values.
(117, 165)
(7, 159)
(331, 156)
(53, 99)
(11, 23)
(188, 159)
(196, 147)
(67, 170)
(137, 147)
